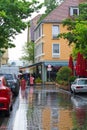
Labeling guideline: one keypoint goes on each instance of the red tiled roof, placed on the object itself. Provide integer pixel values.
(62, 11)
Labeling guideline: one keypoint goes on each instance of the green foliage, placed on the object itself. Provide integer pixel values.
(38, 80)
(72, 78)
(62, 82)
(83, 11)
(63, 75)
(12, 19)
(50, 5)
(77, 31)
(28, 52)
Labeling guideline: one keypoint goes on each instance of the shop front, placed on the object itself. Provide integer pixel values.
(45, 70)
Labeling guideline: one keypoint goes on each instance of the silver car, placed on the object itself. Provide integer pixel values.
(79, 85)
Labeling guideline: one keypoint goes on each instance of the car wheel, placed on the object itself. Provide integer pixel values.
(74, 92)
(7, 113)
(11, 108)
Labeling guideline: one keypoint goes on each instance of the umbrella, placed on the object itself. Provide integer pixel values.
(71, 65)
(85, 67)
(79, 60)
(81, 65)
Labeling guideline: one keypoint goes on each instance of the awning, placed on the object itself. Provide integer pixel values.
(33, 65)
(46, 63)
(59, 63)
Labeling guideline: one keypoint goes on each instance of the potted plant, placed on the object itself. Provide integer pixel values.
(38, 80)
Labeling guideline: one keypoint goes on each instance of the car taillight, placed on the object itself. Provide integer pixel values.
(79, 87)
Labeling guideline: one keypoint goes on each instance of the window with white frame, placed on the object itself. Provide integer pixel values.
(55, 50)
(74, 11)
(55, 31)
(38, 32)
(38, 49)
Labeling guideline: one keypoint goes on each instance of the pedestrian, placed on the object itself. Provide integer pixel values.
(31, 80)
(23, 86)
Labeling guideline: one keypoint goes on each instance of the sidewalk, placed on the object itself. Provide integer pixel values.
(20, 122)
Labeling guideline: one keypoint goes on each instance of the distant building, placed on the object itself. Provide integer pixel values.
(4, 58)
(33, 24)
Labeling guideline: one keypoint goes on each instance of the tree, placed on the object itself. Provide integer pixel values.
(63, 75)
(13, 14)
(28, 51)
(50, 5)
(77, 31)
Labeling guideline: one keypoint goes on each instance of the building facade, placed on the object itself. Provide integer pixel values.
(52, 53)
(4, 58)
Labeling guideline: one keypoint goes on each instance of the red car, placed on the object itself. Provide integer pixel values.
(6, 96)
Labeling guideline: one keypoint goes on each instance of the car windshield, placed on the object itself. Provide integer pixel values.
(82, 82)
(8, 76)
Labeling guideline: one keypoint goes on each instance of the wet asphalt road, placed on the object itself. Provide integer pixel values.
(46, 109)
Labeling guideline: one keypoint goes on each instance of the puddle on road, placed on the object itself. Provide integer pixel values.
(49, 111)
(45, 110)
(55, 111)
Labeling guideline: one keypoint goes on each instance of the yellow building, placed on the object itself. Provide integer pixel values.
(50, 52)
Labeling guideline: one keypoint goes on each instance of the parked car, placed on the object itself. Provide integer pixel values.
(79, 85)
(13, 82)
(6, 96)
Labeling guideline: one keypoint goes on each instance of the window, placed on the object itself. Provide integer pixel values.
(38, 32)
(39, 49)
(74, 11)
(55, 50)
(55, 31)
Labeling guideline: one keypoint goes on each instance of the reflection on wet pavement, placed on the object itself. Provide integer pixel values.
(80, 112)
(45, 109)
(20, 122)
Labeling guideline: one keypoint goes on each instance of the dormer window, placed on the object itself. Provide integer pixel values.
(74, 11)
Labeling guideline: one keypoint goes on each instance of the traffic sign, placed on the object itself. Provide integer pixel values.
(49, 68)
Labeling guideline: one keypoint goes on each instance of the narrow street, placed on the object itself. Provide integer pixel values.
(47, 108)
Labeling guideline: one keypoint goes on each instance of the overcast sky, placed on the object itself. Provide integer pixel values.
(21, 39)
